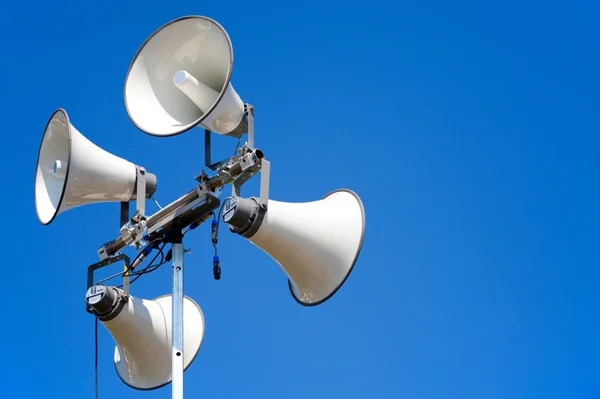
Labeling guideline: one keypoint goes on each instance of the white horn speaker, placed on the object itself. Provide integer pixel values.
(179, 78)
(72, 171)
(141, 329)
(315, 243)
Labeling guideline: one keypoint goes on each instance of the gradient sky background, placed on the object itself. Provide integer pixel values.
(470, 131)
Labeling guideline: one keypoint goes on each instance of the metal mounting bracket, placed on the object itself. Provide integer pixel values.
(248, 119)
(140, 197)
(265, 180)
(99, 265)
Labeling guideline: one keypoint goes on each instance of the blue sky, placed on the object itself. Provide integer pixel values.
(469, 129)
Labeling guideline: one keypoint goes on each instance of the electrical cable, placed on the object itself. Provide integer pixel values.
(214, 232)
(123, 273)
(162, 261)
(150, 244)
(147, 269)
(96, 356)
(215, 239)
(156, 202)
(221, 212)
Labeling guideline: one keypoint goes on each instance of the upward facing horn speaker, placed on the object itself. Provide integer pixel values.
(180, 78)
(316, 243)
(142, 331)
(72, 171)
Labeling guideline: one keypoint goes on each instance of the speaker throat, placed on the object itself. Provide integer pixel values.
(106, 302)
(244, 215)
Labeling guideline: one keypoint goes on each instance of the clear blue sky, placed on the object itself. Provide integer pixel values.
(469, 129)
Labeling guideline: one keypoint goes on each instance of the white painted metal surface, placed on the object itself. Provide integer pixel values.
(315, 243)
(142, 332)
(229, 111)
(200, 47)
(72, 171)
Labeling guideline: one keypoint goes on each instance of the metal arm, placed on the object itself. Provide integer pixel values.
(140, 198)
(265, 177)
(190, 207)
(98, 265)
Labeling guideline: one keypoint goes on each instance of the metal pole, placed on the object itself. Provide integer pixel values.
(177, 316)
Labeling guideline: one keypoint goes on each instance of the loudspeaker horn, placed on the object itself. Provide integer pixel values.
(180, 78)
(142, 331)
(72, 171)
(316, 243)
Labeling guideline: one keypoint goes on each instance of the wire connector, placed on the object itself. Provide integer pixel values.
(214, 228)
(216, 268)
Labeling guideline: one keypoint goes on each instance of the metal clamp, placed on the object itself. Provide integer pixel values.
(140, 198)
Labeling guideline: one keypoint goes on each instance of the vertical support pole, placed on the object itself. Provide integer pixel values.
(177, 314)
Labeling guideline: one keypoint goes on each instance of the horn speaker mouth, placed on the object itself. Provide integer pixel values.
(358, 249)
(43, 206)
(192, 342)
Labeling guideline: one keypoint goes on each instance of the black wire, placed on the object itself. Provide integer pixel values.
(147, 269)
(96, 360)
(216, 240)
(129, 269)
(220, 214)
(140, 254)
(162, 258)
(162, 261)
(218, 218)
(131, 272)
